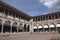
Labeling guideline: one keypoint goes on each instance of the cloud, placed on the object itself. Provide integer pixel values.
(45, 13)
(52, 4)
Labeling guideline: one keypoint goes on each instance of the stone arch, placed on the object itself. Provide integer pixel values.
(20, 27)
(25, 28)
(7, 23)
(40, 28)
(58, 26)
(46, 27)
(35, 28)
(7, 26)
(15, 24)
(52, 27)
(0, 25)
(14, 28)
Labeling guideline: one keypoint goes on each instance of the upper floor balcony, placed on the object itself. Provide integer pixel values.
(2, 15)
(46, 21)
(9, 17)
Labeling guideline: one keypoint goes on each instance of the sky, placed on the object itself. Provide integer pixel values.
(35, 7)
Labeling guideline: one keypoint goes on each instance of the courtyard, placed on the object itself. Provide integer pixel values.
(29, 36)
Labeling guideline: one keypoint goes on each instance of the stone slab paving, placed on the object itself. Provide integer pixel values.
(28, 36)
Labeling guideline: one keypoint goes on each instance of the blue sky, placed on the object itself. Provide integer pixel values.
(35, 7)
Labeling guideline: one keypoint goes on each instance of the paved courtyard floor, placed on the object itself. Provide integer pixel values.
(28, 36)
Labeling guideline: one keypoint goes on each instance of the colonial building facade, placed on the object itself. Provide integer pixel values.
(13, 20)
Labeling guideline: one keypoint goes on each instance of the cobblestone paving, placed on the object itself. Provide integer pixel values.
(28, 36)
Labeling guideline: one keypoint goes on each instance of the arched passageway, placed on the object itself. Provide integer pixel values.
(35, 28)
(40, 28)
(58, 27)
(52, 27)
(0, 25)
(14, 27)
(7, 26)
(46, 28)
(25, 28)
(20, 27)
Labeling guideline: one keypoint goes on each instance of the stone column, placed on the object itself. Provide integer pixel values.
(39, 20)
(45, 17)
(43, 29)
(4, 12)
(11, 29)
(31, 28)
(37, 24)
(8, 12)
(57, 15)
(23, 28)
(48, 24)
(56, 28)
(51, 16)
(26, 27)
(17, 29)
(2, 28)
(37, 28)
(49, 28)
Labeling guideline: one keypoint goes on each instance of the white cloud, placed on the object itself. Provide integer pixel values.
(55, 4)
(45, 13)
